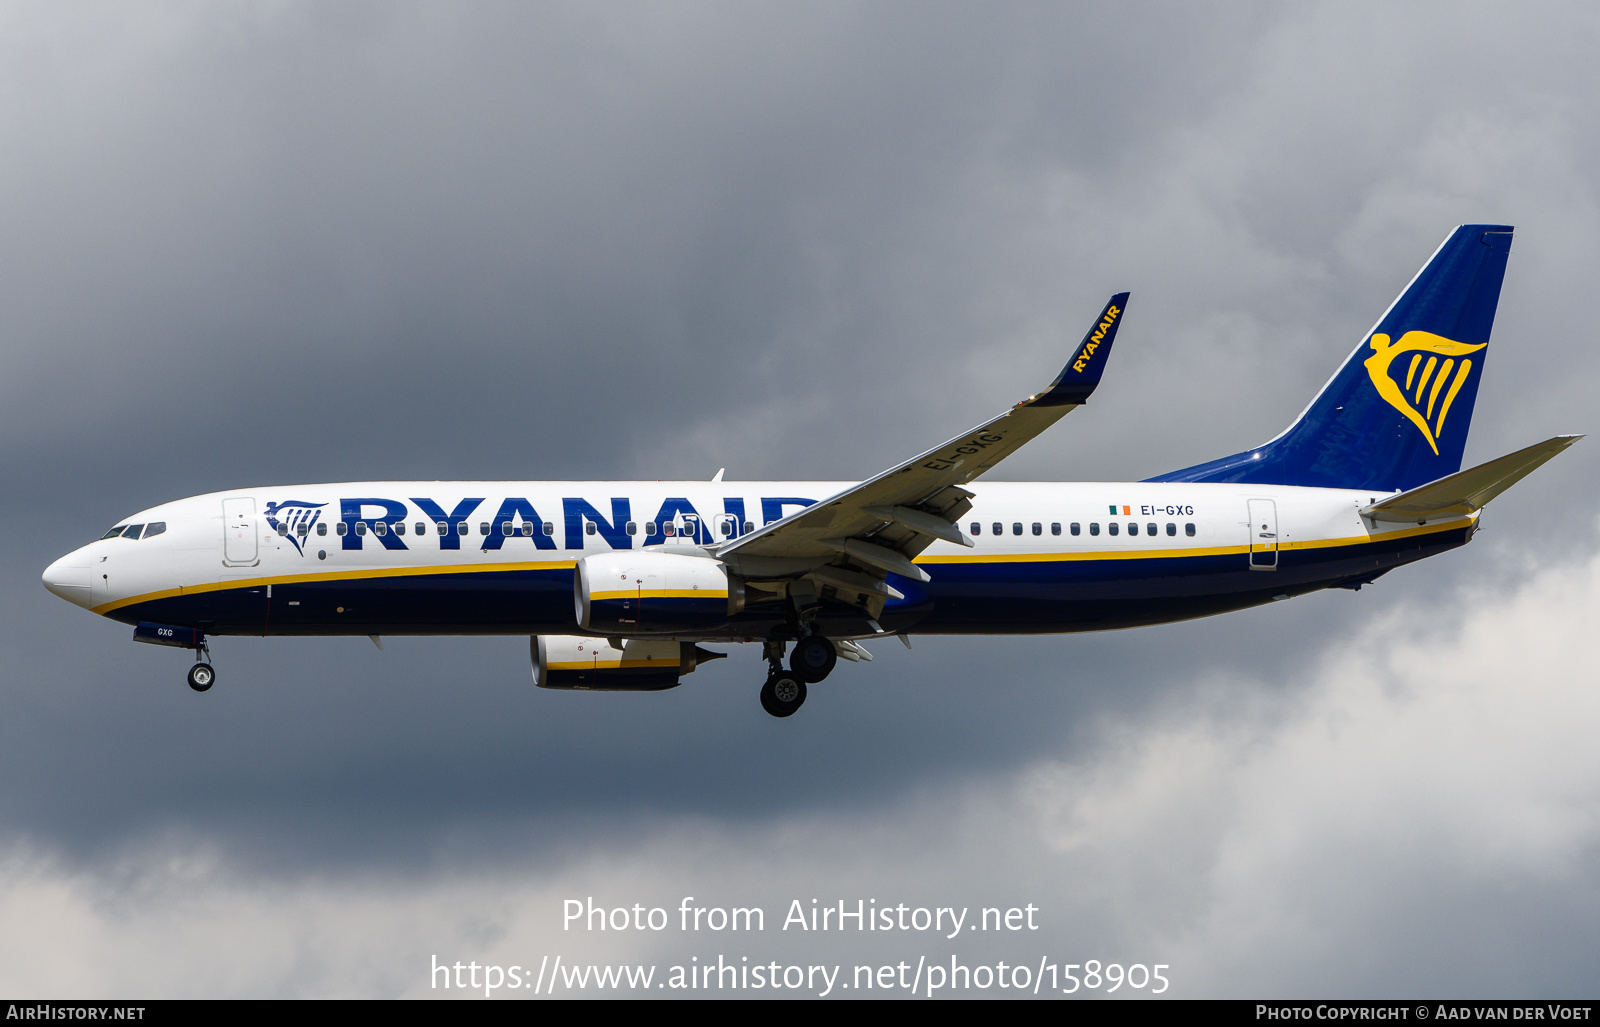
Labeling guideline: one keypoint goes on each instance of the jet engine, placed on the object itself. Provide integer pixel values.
(641, 665)
(649, 593)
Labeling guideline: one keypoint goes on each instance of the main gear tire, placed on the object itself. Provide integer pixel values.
(783, 694)
(813, 658)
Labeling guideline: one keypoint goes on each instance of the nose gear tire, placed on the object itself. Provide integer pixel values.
(201, 677)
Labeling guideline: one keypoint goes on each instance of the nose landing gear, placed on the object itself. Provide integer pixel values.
(201, 676)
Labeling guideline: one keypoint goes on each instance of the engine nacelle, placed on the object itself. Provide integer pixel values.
(631, 593)
(641, 665)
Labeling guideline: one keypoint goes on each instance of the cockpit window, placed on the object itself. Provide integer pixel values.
(154, 528)
(114, 532)
(133, 531)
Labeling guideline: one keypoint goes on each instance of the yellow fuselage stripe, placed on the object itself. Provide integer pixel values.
(1056, 557)
(374, 572)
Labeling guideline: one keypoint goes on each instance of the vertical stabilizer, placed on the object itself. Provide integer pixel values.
(1396, 414)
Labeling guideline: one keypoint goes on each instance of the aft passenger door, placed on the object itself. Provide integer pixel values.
(239, 544)
(1263, 535)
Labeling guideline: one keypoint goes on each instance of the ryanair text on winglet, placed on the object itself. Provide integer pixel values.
(1082, 360)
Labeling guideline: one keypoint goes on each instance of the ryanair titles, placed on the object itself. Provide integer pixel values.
(491, 524)
(1095, 338)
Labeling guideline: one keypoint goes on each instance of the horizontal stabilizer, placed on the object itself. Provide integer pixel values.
(1467, 492)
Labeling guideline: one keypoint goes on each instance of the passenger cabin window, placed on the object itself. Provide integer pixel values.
(462, 528)
(977, 529)
(300, 529)
(997, 529)
(1111, 529)
(1016, 527)
(588, 528)
(361, 527)
(668, 529)
(749, 526)
(422, 528)
(1172, 529)
(549, 528)
(154, 528)
(1149, 529)
(442, 527)
(632, 528)
(283, 529)
(1076, 528)
(341, 528)
(1038, 529)
(382, 527)
(483, 527)
(1188, 529)
(400, 527)
(322, 529)
(1133, 529)
(114, 532)
(1094, 527)
(1055, 528)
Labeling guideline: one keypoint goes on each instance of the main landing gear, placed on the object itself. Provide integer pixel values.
(782, 694)
(813, 658)
(785, 691)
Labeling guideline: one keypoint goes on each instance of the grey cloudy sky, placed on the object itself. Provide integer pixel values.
(289, 242)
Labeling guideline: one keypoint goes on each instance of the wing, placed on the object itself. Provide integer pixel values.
(852, 540)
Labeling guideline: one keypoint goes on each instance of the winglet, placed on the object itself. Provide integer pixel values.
(1082, 373)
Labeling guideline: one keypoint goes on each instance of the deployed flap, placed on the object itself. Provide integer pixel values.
(1467, 492)
(895, 510)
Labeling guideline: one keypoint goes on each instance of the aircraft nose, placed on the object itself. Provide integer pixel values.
(68, 578)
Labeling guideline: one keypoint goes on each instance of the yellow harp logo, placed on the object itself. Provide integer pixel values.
(1433, 358)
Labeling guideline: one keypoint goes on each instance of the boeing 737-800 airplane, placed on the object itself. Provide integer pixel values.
(619, 583)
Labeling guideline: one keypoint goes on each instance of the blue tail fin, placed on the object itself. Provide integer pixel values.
(1396, 414)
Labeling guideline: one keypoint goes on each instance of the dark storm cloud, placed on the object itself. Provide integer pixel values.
(354, 242)
(344, 242)
(406, 236)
